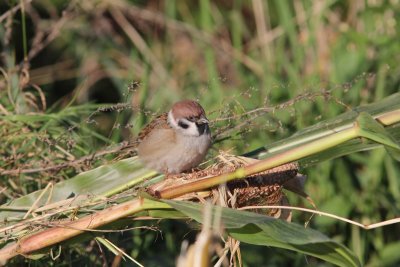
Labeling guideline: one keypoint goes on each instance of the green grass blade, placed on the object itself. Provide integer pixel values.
(389, 107)
(371, 129)
(104, 181)
(263, 230)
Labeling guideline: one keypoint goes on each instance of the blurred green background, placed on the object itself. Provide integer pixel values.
(94, 72)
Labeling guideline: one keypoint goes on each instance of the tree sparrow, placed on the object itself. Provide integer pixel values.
(176, 141)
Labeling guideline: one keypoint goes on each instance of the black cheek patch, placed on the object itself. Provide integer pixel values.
(202, 128)
(183, 125)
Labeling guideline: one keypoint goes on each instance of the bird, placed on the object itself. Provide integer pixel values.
(176, 141)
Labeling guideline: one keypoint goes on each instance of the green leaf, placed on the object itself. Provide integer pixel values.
(389, 105)
(390, 255)
(373, 130)
(105, 180)
(259, 229)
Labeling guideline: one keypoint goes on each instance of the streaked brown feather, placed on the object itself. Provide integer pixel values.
(161, 121)
(158, 144)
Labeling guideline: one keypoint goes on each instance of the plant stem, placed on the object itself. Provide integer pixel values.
(70, 229)
(280, 158)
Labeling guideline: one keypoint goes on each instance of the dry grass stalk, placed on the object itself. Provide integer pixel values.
(263, 188)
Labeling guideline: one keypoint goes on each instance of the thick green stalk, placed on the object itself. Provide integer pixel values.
(273, 161)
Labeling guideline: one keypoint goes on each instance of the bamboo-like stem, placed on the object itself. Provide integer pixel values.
(323, 142)
(386, 119)
(273, 161)
(389, 118)
(70, 229)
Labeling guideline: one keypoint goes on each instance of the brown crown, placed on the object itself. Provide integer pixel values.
(186, 109)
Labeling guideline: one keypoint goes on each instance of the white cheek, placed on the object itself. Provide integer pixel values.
(192, 130)
(172, 121)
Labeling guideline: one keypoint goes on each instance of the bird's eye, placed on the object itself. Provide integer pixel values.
(183, 125)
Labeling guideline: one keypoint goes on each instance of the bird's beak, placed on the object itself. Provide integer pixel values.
(202, 121)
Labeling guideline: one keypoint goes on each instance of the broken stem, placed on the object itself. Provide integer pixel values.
(278, 159)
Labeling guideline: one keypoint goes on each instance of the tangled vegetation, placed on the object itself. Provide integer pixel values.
(80, 78)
